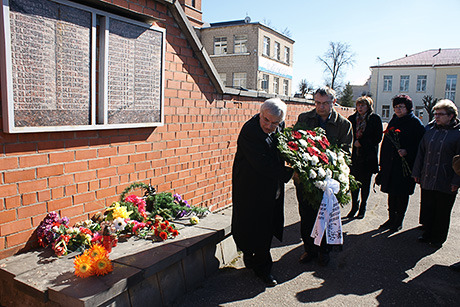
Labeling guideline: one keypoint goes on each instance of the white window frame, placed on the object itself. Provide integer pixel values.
(421, 83)
(276, 85)
(266, 47)
(386, 111)
(286, 87)
(387, 83)
(451, 87)
(277, 51)
(223, 77)
(404, 83)
(287, 55)
(99, 107)
(265, 82)
(240, 44)
(220, 45)
(239, 79)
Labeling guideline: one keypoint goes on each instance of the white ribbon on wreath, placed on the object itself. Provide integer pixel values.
(328, 218)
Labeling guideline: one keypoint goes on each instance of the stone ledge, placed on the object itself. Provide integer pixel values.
(144, 271)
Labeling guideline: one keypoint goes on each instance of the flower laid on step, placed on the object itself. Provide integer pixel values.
(165, 230)
(194, 220)
(316, 161)
(94, 261)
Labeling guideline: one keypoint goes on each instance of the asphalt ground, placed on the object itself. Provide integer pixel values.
(374, 267)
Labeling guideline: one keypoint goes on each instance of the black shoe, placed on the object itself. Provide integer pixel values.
(395, 229)
(455, 267)
(351, 214)
(307, 257)
(386, 225)
(323, 259)
(436, 245)
(360, 215)
(268, 279)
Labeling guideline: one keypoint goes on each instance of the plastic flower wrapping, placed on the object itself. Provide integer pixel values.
(316, 160)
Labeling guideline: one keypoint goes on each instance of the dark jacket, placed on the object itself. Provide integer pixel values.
(391, 174)
(258, 176)
(365, 158)
(433, 164)
(338, 128)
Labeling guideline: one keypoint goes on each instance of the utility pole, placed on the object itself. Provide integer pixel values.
(377, 90)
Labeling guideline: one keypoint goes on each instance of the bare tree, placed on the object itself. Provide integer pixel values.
(336, 58)
(428, 103)
(305, 87)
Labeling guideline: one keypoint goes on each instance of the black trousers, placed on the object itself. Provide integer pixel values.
(437, 207)
(260, 260)
(307, 221)
(397, 206)
(364, 177)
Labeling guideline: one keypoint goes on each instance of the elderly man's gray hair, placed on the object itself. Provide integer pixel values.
(275, 107)
(326, 91)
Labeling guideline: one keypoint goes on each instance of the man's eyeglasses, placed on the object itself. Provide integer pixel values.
(319, 103)
(399, 107)
(439, 114)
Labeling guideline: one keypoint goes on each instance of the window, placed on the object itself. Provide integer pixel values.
(387, 83)
(421, 83)
(286, 87)
(385, 111)
(419, 111)
(287, 55)
(193, 3)
(223, 77)
(451, 86)
(264, 84)
(239, 79)
(404, 84)
(277, 51)
(266, 49)
(87, 69)
(240, 44)
(220, 45)
(276, 87)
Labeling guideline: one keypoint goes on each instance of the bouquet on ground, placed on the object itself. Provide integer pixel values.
(393, 135)
(316, 161)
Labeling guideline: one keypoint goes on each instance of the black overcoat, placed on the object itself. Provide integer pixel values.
(258, 176)
(365, 158)
(391, 171)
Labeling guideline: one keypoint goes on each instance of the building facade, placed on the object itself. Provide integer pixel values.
(429, 73)
(250, 55)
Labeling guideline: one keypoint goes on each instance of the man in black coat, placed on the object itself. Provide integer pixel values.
(258, 181)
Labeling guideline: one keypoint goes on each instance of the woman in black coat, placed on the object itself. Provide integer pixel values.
(258, 181)
(396, 160)
(433, 170)
(367, 134)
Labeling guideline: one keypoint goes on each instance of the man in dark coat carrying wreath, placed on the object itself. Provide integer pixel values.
(258, 181)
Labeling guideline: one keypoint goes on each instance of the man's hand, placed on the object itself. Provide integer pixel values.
(402, 152)
(357, 144)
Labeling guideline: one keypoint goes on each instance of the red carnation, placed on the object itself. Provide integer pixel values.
(293, 146)
(163, 235)
(310, 141)
(324, 157)
(397, 131)
(312, 151)
(312, 133)
(296, 134)
(326, 141)
(392, 128)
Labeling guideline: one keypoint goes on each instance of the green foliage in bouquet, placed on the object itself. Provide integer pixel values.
(316, 161)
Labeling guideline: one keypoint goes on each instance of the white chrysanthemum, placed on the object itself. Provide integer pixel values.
(314, 160)
(320, 185)
(303, 132)
(303, 143)
(119, 223)
(321, 173)
(306, 157)
(312, 174)
(328, 173)
(343, 178)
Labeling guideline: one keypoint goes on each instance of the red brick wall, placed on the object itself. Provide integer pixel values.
(80, 173)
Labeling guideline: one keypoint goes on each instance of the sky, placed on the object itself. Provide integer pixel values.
(387, 29)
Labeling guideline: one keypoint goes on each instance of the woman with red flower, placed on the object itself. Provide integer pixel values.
(367, 134)
(393, 179)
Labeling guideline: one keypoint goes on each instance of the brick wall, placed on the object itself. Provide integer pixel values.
(80, 173)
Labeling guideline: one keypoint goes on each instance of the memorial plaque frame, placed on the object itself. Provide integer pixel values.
(67, 67)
